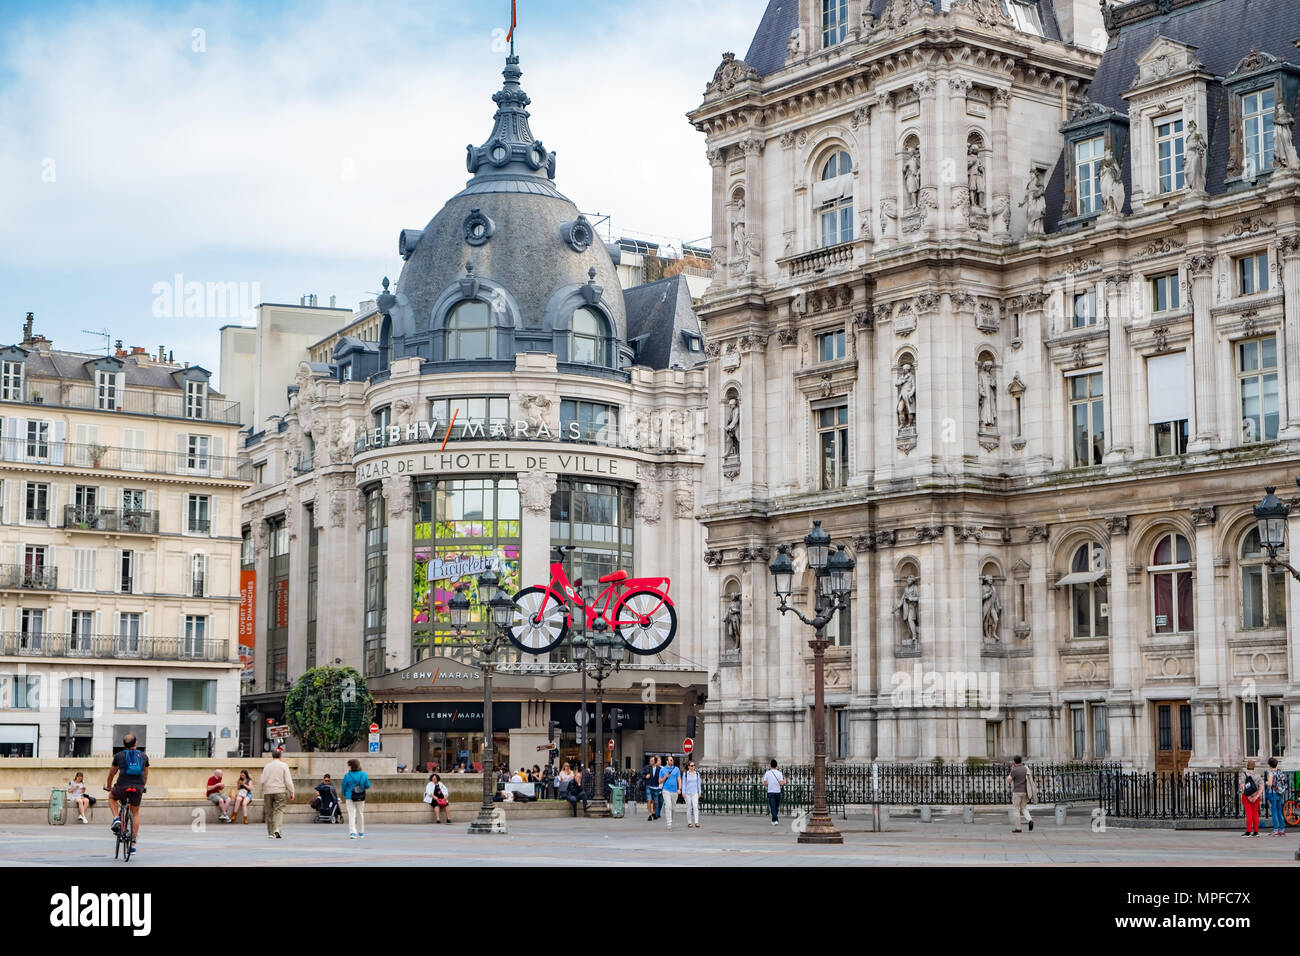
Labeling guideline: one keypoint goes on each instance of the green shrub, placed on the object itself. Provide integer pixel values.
(329, 708)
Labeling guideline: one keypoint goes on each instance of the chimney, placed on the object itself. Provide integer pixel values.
(27, 327)
(162, 353)
(119, 352)
(332, 298)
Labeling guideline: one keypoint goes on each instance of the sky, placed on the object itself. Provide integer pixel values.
(283, 146)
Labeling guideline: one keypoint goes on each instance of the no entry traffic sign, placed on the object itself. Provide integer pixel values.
(688, 745)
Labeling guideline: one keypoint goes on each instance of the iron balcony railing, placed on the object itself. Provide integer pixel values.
(23, 577)
(136, 401)
(48, 644)
(1188, 795)
(110, 519)
(198, 525)
(125, 459)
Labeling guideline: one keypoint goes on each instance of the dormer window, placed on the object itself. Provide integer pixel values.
(1257, 131)
(196, 399)
(108, 387)
(835, 21)
(1024, 14)
(1088, 154)
(834, 198)
(1169, 154)
(11, 381)
(589, 345)
(469, 330)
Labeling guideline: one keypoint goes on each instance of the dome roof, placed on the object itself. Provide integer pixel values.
(509, 237)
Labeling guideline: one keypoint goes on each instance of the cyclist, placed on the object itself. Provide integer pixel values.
(131, 767)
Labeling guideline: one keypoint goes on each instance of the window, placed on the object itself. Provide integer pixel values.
(106, 391)
(198, 575)
(1169, 154)
(1257, 132)
(196, 399)
(833, 442)
(1171, 585)
(833, 196)
(992, 731)
(1169, 438)
(375, 581)
(1089, 610)
(830, 346)
(1087, 171)
(383, 418)
(1079, 724)
(196, 453)
(81, 630)
(1024, 13)
(1085, 309)
(85, 507)
(1250, 723)
(1252, 274)
(247, 550)
(478, 416)
(1276, 728)
(132, 501)
(11, 381)
(1087, 419)
(31, 635)
(588, 421)
(36, 506)
(469, 330)
(20, 691)
(313, 585)
(126, 572)
(197, 509)
(1257, 384)
(1164, 293)
(35, 572)
(1100, 715)
(196, 627)
(1263, 589)
(841, 737)
(589, 344)
(132, 693)
(597, 518)
(835, 21)
(129, 630)
(1167, 403)
(839, 632)
(38, 439)
(192, 695)
(77, 692)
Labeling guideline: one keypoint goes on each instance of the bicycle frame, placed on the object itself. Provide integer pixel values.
(562, 591)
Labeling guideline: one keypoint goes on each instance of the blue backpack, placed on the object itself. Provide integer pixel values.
(133, 765)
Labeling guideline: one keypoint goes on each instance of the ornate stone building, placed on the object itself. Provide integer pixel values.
(1018, 318)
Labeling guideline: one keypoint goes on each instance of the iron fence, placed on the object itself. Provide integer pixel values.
(1190, 795)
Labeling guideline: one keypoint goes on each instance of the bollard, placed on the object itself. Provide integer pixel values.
(925, 814)
(882, 816)
(1060, 814)
(1012, 817)
(968, 814)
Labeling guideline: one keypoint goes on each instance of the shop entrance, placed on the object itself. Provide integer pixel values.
(446, 750)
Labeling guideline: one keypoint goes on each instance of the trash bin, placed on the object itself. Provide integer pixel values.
(616, 792)
(58, 798)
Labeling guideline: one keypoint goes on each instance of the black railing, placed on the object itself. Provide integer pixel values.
(49, 644)
(126, 459)
(110, 519)
(199, 525)
(1190, 795)
(37, 514)
(29, 577)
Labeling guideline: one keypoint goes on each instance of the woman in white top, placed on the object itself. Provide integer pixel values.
(435, 791)
(78, 797)
(562, 780)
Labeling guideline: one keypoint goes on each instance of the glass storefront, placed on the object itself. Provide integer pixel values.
(445, 750)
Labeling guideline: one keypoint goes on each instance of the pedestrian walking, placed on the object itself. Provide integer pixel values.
(670, 781)
(277, 791)
(775, 781)
(1277, 793)
(354, 787)
(691, 790)
(1023, 791)
(653, 794)
(1251, 789)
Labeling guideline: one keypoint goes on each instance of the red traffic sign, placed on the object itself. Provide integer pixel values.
(611, 743)
(688, 745)
(374, 728)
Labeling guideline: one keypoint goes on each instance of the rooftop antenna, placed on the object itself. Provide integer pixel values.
(104, 334)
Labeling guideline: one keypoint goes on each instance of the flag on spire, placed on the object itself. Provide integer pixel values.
(510, 37)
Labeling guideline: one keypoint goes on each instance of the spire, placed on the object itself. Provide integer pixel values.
(511, 150)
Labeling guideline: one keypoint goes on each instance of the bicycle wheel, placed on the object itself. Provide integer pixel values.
(1291, 812)
(534, 629)
(645, 621)
(128, 835)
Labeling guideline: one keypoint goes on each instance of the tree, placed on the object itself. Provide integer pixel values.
(329, 708)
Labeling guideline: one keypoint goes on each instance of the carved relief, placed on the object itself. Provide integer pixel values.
(535, 490)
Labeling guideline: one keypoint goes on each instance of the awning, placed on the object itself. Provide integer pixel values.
(1081, 577)
(829, 190)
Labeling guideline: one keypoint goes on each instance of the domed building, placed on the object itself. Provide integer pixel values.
(506, 398)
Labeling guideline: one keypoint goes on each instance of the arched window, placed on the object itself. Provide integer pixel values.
(589, 344)
(1089, 607)
(385, 342)
(834, 198)
(469, 331)
(1263, 590)
(1171, 584)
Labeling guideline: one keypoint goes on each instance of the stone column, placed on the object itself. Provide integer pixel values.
(1000, 161)
(864, 417)
(757, 404)
(1123, 623)
(755, 231)
(1040, 600)
(785, 460)
(401, 554)
(1289, 257)
(1210, 653)
(1040, 386)
(1120, 443)
(1292, 759)
(535, 491)
(721, 222)
(884, 171)
(934, 148)
(1200, 277)
(262, 569)
(790, 218)
(299, 549)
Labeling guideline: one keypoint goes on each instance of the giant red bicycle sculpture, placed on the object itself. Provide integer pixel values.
(637, 610)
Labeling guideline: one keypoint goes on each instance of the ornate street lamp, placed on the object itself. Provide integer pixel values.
(1270, 518)
(458, 608)
(605, 657)
(499, 609)
(834, 570)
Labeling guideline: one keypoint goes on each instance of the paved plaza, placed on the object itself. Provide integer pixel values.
(726, 840)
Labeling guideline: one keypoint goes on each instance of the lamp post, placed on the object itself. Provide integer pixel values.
(499, 608)
(834, 570)
(604, 658)
(1270, 519)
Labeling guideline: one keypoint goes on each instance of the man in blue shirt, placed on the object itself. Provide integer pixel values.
(670, 778)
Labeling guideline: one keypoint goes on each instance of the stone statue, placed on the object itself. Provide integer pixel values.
(975, 176)
(912, 175)
(988, 396)
(888, 211)
(1035, 203)
(738, 229)
(992, 605)
(1112, 184)
(906, 386)
(732, 622)
(1194, 162)
(907, 608)
(1284, 153)
(731, 429)
(792, 45)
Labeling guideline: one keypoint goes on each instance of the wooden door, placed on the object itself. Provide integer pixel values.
(1173, 729)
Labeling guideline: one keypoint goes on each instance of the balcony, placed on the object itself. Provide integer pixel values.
(14, 644)
(198, 526)
(139, 460)
(21, 577)
(827, 259)
(133, 401)
(109, 519)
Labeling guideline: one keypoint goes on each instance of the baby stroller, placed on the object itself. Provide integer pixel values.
(328, 809)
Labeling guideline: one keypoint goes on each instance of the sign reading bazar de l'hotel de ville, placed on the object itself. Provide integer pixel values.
(449, 462)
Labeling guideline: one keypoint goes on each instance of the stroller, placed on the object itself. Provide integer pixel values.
(328, 808)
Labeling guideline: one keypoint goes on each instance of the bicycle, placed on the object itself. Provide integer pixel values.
(638, 610)
(125, 835)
